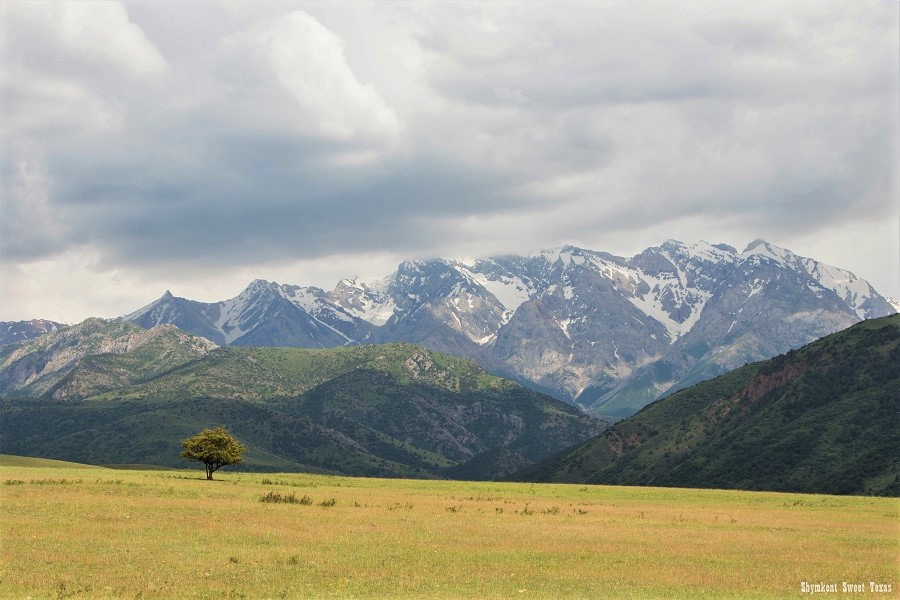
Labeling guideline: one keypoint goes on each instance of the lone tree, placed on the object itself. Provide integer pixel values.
(215, 448)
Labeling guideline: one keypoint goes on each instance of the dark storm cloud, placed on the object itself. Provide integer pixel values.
(257, 213)
(218, 196)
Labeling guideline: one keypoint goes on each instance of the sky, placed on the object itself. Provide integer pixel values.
(196, 146)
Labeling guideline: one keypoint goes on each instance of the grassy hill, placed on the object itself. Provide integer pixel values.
(823, 418)
(392, 410)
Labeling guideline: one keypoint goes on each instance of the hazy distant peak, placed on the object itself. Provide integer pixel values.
(752, 245)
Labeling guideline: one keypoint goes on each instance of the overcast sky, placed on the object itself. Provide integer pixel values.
(195, 146)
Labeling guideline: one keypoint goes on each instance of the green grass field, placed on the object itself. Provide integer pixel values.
(86, 533)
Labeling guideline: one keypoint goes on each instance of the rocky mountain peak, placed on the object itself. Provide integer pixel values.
(726, 248)
(764, 248)
(261, 286)
(754, 244)
(671, 244)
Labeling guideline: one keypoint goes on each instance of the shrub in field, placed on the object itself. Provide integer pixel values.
(44, 481)
(291, 498)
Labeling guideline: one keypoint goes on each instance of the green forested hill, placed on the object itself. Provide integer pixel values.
(823, 418)
(391, 410)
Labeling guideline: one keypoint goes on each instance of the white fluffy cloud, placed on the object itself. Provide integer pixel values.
(308, 61)
(94, 30)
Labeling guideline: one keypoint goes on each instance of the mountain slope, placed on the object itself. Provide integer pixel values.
(605, 332)
(390, 410)
(764, 305)
(820, 419)
(82, 359)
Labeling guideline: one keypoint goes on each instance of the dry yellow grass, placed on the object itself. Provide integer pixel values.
(143, 534)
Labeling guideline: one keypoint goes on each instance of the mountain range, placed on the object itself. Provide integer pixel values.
(608, 333)
(821, 419)
(115, 393)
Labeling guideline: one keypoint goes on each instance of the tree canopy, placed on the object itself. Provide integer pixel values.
(215, 448)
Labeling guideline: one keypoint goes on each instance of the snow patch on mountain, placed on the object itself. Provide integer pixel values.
(230, 313)
(652, 294)
(365, 299)
(302, 297)
(651, 305)
(564, 325)
(510, 291)
(159, 311)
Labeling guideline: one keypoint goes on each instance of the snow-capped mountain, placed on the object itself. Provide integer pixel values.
(766, 302)
(608, 332)
(12, 332)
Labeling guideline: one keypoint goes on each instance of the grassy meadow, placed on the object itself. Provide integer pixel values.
(70, 532)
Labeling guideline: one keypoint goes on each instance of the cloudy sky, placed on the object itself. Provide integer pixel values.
(194, 146)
